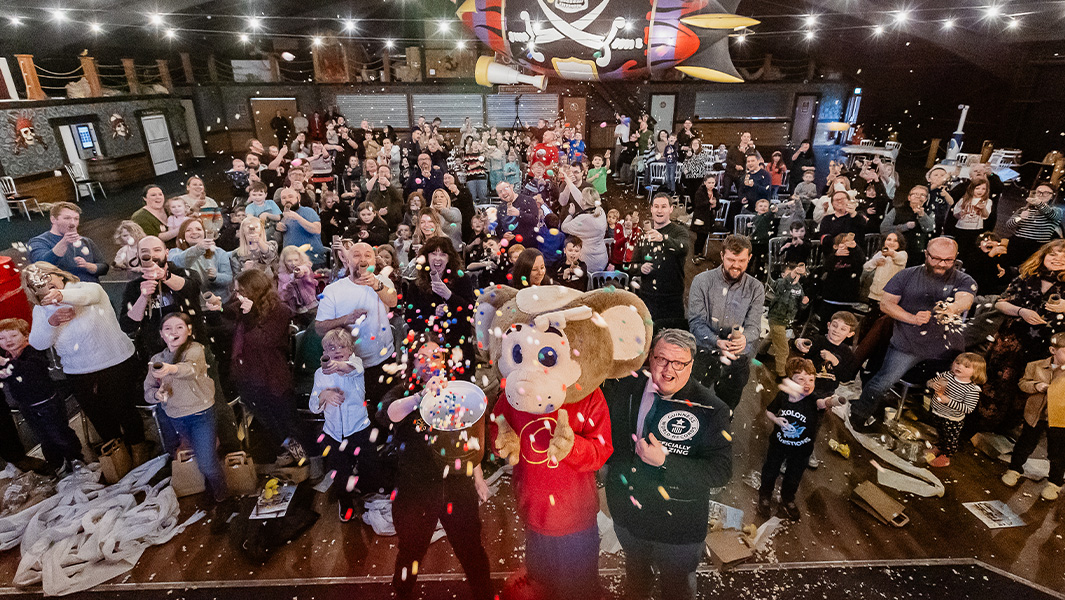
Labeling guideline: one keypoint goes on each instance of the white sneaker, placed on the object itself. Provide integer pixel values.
(1051, 491)
(1011, 478)
(813, 463)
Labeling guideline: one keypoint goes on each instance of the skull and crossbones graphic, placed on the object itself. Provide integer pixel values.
(25, 133)
(576, 30)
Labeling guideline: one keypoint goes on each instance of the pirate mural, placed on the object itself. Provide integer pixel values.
(593, 40)
(25, 134)
(119, 128)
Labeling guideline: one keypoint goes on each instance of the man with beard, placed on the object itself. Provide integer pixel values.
(65, 248)
(425, 177)
(725, 313)
(271, 174)
(301, 226)
(924, 301)
(658, 261)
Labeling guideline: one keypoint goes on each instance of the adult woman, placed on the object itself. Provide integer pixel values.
(704, 203)
(429, 226)
(415, 204)
(823, 205)
(369, 175)
(440, 298)
(886, 171)
(450, 217)
(76, 319)
(259, 365)
(887, 261)
(588, 222)
(195, 195)
(910, 219)
(529, 270)
(389, 155)
(196, 253)
(152, 216)
(1031, 303)
(970, 212)
(696, 167)
(299, 146)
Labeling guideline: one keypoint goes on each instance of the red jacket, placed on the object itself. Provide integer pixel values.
(623, 247)
(559, 499)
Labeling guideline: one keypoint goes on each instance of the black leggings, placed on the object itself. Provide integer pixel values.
(797, 460)
(109, 399)
(1027, 443)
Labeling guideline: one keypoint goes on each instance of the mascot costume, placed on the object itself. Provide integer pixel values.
(552, 347)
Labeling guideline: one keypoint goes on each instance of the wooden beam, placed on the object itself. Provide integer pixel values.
(131, 76)
(212, 69)
(92, 75)
(34, 91)
(164, 74)
(386, 70)
(933, 152)
(275, 68)
(186, 66)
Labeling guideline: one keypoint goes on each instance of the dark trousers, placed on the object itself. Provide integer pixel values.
(11, 448)
(50, 424)
(1055, 449)
(566, 566)
(275, 410)
(378, 383)
(699, 249)
(416, 510)
(355, 465)
(948, 434)
(109, 399)
(666, 311)
(797, 461)
(1019, 249)
(676, 564)
(727, 381)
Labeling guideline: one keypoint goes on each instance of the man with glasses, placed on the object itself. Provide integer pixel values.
(672, 450)
(1035, 224)
(926, 302)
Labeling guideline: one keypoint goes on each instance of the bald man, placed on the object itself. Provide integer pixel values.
(160, 290)
(918, 299)
(360, 302)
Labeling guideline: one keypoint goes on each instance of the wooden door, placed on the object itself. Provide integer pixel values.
(575, 112)
(263, 110)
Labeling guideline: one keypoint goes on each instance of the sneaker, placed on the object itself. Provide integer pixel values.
(296, 450)
(1051, 491)
(813, 462)
(1011, 478)
(940, 461)
(346, 509)
(764, 507)
(284, 459)
(790, 510)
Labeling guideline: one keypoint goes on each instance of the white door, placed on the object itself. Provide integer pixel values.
(70, 146)
(193, 127)
(160, 148)
(662, 109)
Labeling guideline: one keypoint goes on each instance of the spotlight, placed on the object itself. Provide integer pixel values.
(443, 26)
(810, 20)
(878, 30)
(254, 23)
(170, 34)
(349, 25)
(156, 19)
(948, 24)
(390, 44)
(1013, 23)
(59, 15)
(245, 38)
(902, 16)
(993, 11)
(316, 41)
(14, 21)
(95, 27)
(461, 44)
(741, 38)
(628, 25)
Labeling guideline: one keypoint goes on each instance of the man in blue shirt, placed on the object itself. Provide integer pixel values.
(63, 247)
(301, 225)
(756, 183)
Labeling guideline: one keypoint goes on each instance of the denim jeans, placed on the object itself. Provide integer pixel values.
(567, 566)
(670, 182)
(478, 189)
(676, 565)
(199, 429)
(896, 364)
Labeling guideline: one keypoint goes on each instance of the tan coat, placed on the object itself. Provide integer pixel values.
(1039, 371)
(191, 389)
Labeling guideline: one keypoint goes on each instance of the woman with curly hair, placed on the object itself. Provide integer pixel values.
(1032, 304)
(440, 299)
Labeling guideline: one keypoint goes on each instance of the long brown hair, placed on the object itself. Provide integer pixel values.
(257, 287)
(1033, 267)
(454, 262)
(438, 225)
(966, 201)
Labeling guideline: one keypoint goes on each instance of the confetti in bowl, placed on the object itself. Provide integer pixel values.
(458, 406)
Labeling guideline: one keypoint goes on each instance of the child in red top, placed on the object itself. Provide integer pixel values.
(626, 236)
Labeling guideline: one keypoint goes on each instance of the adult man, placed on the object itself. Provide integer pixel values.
(386, 197)
(621, 136)
(300, 225)
(735, 163)
(281, 128)
(686, 135)
(546, 152)
(425, 177)
(537, 133)
(757, 182)
(671, 449)
(360, 302)
(658, 261)
(725, 314)
(518, 223)
(63, 247)
(926, 302)
(160, 290)
(269, 174)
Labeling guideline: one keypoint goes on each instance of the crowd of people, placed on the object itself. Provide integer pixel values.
(368, 249)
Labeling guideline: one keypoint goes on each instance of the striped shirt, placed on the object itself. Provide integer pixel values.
(961, 398)
(1042, 224)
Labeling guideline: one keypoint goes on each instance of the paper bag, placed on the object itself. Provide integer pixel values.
(880, 505)
(115, 461)
(241, 479)
(185, 475)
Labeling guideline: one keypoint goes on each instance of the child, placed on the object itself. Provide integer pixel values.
(24, 371)
(954, 395)
(495, 263)
(776, 168)
(597, 175)
(612, 217)
(760, 233)
(787, 296)
(832, 358)
(229, 235)
(576, 149)
(370, 227)
(1044, 411)
(574, 273)
(671, 158)
(796, 249)
(238, 178)
(886, 263)
(626, 236)
(402, 244)
(179, 213)
(512, 170)
(296, 283)
(126, 237)
(805, 191)
(258, 206)
(842, 282)
(795, 414)
(254, 251)
(340, 393)
(551, 242)
(178, 382)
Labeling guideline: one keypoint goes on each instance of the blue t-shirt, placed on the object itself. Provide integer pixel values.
(296, 235)
(917, 291)
(254, 210)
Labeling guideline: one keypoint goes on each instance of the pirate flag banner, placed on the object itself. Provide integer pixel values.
(592, 40)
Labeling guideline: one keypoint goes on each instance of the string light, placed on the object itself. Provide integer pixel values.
(349, 25)
(156, 19)
(1013, 23)
(810, 20)
(443, 26)
(993, 11)
(878, 30)
(244, 38)
(809, 35)
(170, 34)
(14, 21)
(95, 27)
(461, 44)
(316, 41)
(902, 17)
(948, 24)
(254, 23)
(389, 44)
(59, 15)
(741, 38)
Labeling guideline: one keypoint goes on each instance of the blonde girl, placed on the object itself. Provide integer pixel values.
(254, 251)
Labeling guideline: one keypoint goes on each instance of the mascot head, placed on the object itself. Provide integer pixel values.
(553, 345)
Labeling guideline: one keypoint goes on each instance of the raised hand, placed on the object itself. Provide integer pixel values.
(508, 445)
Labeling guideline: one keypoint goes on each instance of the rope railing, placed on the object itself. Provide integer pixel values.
(41, 71)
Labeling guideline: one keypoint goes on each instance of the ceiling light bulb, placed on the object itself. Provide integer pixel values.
(741, 38)
(461, 44)
(95, 27)
(902, 16)
(349, 25)
(993, 11)
(948, 24)
(1013, 23)
(14, 21)
(443, 26)
(811, 20)
(254, 23)
(809, 35)
(316, 41)
(245, 38)
(170, 34)
(59, 15)
(156, 19)
(878, 30)
(389, 44)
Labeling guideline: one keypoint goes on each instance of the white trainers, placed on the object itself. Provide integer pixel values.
(1011, 478)
(1051, 491)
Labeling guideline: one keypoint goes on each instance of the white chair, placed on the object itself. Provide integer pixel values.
(80, 180)
(1004, 158)
(892, 145)
(656, 177)
(867, 143)
(14, 199)
(601, 279)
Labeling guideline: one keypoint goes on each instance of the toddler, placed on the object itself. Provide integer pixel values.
(238, 177)
(126, 237)
(295, 281)
(179, 213)
(955, 394)
(573, 273)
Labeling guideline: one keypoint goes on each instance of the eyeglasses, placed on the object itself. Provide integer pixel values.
(1043, 194)
(942, 261)
(676, 365)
